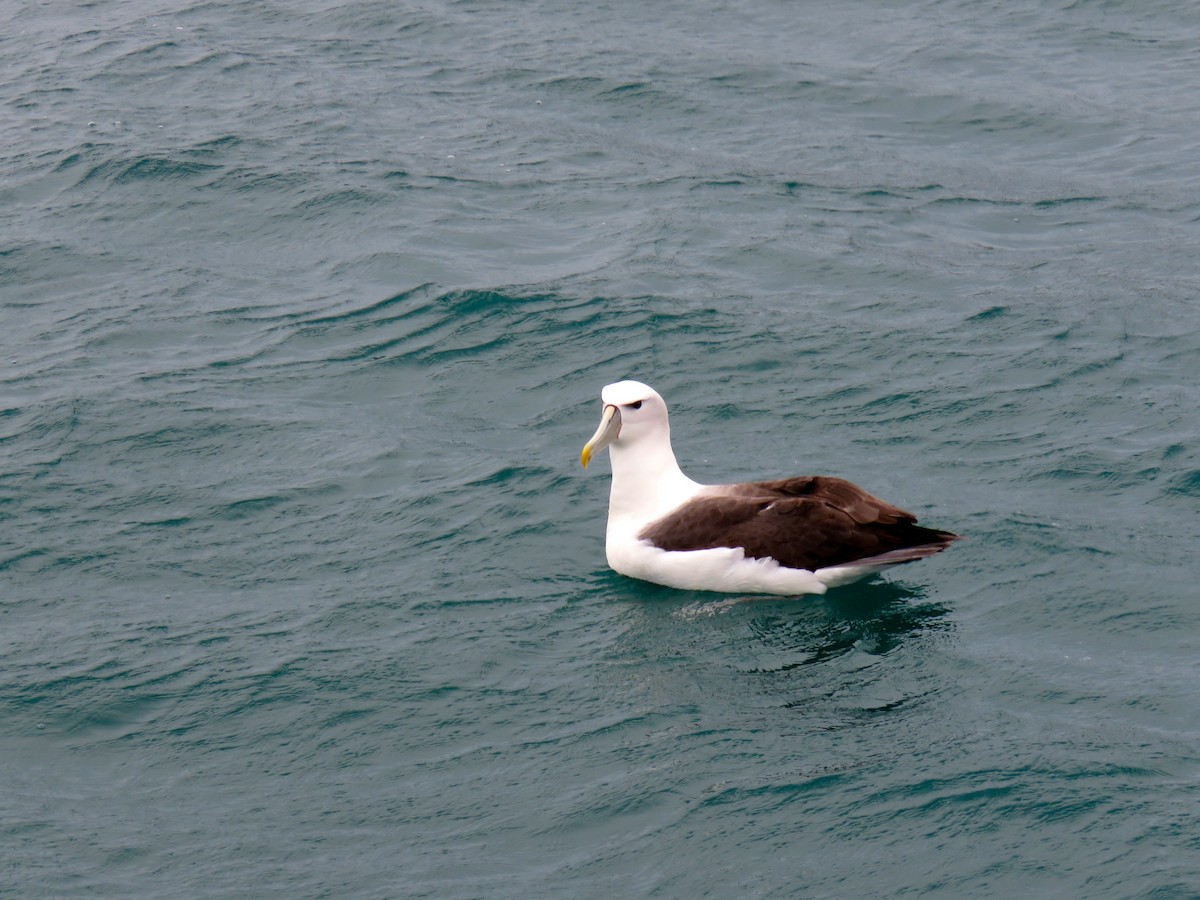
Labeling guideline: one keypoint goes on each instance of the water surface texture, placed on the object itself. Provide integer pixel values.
(304, 313)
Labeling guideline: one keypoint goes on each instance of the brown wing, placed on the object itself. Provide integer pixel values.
(839, 493)
(803, 523)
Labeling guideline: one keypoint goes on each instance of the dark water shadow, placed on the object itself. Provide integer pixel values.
(873, 617)
(886, 612)
(854, 657)
(858, 656)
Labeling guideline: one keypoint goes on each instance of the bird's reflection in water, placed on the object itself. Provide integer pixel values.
(843, 661)
(830, 648)
(875, 615)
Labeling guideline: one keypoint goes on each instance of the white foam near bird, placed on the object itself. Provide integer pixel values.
(790, 536)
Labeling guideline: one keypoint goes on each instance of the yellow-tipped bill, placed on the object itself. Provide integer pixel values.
(610, 427)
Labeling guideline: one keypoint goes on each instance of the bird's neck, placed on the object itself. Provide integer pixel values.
(647, 484)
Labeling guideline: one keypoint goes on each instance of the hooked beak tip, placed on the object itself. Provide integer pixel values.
(610, 427)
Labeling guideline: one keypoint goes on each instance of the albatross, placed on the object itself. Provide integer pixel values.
(790, 536)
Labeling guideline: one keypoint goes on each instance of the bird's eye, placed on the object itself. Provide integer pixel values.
(637, 405)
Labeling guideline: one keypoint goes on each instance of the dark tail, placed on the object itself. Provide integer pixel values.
(931, 542)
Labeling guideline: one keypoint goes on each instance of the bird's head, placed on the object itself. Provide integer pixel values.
(633, 412)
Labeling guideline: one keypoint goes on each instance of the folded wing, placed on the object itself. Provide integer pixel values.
(802, 523)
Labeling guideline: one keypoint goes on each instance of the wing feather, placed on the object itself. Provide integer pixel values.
(803, 523)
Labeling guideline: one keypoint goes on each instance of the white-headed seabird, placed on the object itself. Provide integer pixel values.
(792, 536)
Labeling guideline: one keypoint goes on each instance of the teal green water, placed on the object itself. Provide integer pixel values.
(305, 313)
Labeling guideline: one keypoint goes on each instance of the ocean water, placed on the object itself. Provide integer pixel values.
(304, 313)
